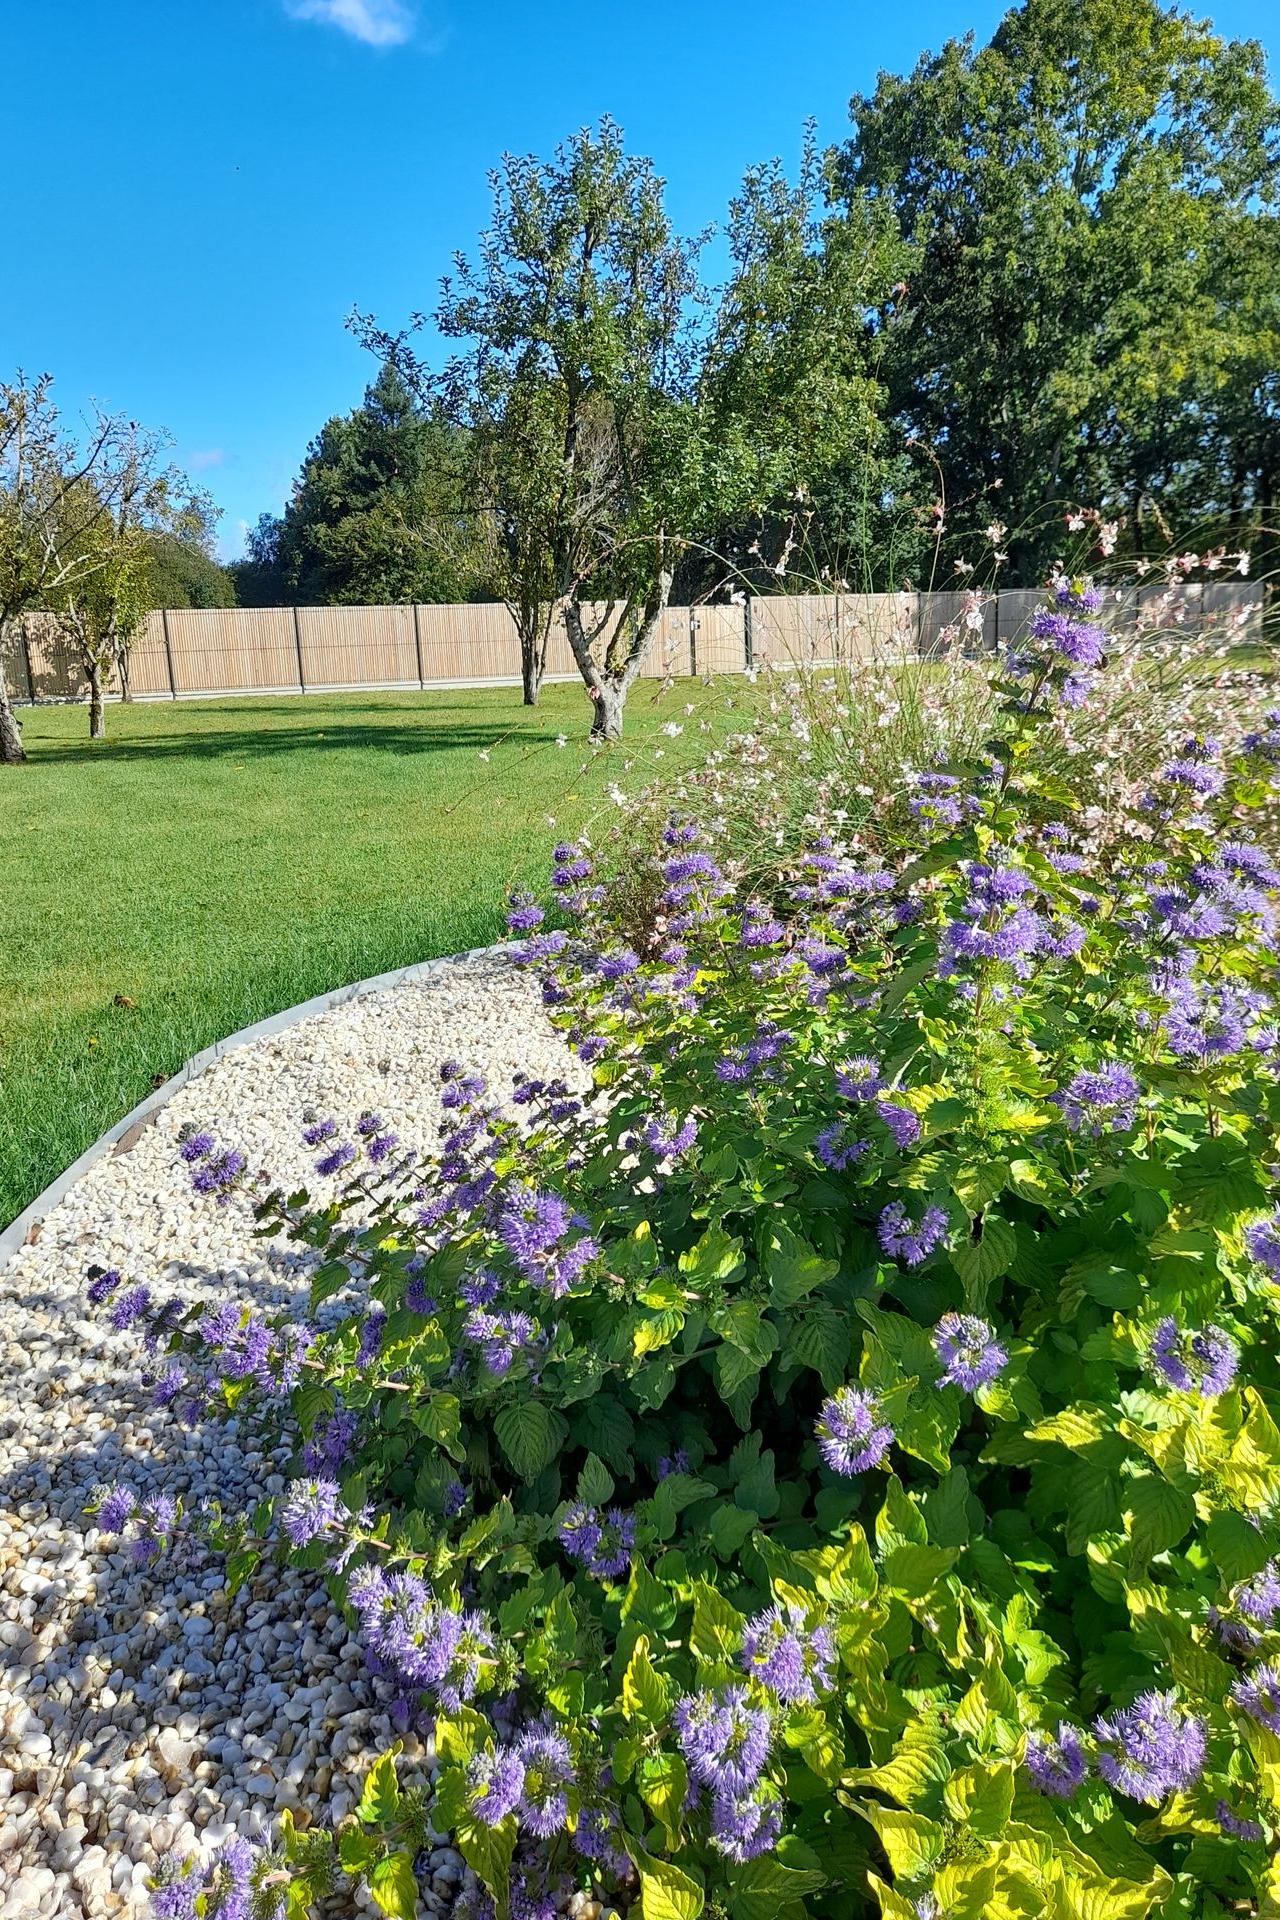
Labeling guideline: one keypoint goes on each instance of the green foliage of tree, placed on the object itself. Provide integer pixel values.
(186, 572)
(1091, 302)
(374, 518)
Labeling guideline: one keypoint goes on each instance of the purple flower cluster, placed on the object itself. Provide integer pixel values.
(221, 1888)
(1058, 1766)
(1100, 1100)
(496, 1783)
(725, 1739)
(417, 1642)
(309, 1509)
(794, 1660)
(500, 1337)
(216, 1174)
(860, 1078)
(1259, 1695)
(838, 1146)
(151, 1523)
(1151, 1749)
(907, 1240)
(971, 1355)
(666, 1139)
(1077, 641)
(533, 1227)
(938, 800)
(851, 1436)
(548, 1775)
(602, 1543)
(744, 1062)
(1203, 1362)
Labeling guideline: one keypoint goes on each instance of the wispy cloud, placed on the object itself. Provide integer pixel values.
(211, 457)
(379, 23)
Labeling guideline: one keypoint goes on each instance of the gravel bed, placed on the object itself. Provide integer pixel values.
(142, 1710)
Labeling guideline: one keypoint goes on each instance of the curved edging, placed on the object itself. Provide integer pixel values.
(122, 1136)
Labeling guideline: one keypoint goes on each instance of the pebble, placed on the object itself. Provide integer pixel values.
(145, 1708)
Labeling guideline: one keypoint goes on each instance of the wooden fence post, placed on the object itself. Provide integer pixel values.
(748, 635)
(417, 647)
(297, 641)
(693, 644)
(168, 653)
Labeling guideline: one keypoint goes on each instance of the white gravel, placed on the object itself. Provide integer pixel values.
(142, 1710)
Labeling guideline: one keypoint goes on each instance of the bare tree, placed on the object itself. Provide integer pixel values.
(47, 513)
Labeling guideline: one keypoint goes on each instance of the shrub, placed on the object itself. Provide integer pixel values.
(836, 1469)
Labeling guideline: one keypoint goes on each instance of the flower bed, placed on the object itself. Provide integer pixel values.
(836, 1470)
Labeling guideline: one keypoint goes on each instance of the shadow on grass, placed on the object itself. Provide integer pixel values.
(394, 730)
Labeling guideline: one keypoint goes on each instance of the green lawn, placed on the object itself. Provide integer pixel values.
(216, 861)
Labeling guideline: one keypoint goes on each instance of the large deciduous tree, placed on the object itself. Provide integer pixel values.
(576, 387)
(1082, 195)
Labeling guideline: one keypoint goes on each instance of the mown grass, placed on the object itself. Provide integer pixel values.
(213, 862)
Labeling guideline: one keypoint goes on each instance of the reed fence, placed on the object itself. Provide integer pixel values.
(283, 650)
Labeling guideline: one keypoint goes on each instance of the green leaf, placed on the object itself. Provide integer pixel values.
(607, 1429)
(663, 1779)
(488, 1850)
(822, 1341)
(714, 1258)
(756, 1492)
(793, 1268)
(979, 1262)
(914, 1571)
(380, 1798)
(980, 1798)
(759, 1889)
(394, 1886)
(665, 1892)
(530, 1434)
(729, 1527)
(913, 1844)
(595, 1482)
(440, 1418)
(646, 1696)
(717, 1626)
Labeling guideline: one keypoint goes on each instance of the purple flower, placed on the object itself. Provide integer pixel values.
(1239, 1829)
(849, 1438)
(901, 1239)
(500, 1337)
(603, 1544)
(1057, 1766)
(310, 1508)
(219, 1175)
(1263, 1241)
(969, 1351)
(1259, 1695)
(129, 1307)
(548, 1774)
(597, 1837)
(333, 1162)
(371, 1338)
(745, 1825)
(796, 1661)
(1101, 1100)
(196, 1146)
(496, 1781)
(667, 1140)
(102, 1284)
(1079, 595)
(860, 1078)
(1259, 1597)
(724, 1738)
(1078, 641)
(116, 1509)
(1203, 1362)
(839, 1147)
(318, 1132)
(410, 1636)
(524, 913)
(678, 1462)
(1151, 1749)
(902, 1122)
(531, 1225)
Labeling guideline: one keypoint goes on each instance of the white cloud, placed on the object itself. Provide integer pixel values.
(379, 23)
(213, 457)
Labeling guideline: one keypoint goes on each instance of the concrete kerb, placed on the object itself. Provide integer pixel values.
(23, 1230)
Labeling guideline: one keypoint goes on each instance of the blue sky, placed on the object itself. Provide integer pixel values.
(200, 190)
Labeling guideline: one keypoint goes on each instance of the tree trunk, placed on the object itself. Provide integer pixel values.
(97, 718)
(609, 698)
(126, 691)
(11, 749)
(530, 669)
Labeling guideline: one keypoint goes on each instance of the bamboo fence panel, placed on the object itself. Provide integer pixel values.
(357, 646)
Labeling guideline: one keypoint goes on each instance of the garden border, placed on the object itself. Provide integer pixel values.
(119, 1138)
